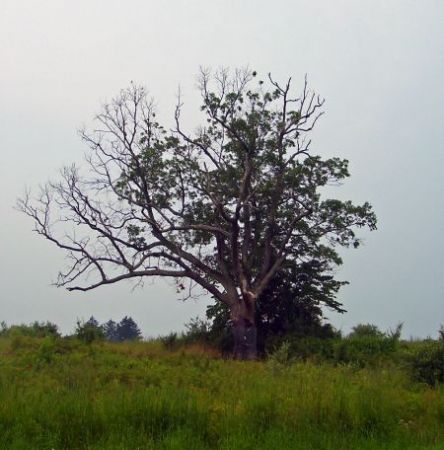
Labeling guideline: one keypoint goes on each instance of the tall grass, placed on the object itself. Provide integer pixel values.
(62, 394)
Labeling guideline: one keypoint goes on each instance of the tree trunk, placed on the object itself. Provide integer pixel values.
(244, 330)
(245, 340)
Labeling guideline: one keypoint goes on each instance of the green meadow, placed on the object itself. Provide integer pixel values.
(60, 393)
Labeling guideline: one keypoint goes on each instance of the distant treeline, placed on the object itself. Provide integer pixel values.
(88, 331)
(365, 346)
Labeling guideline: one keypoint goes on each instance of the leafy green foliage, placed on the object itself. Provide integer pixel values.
(197, 330)
(367, 345)
(89, 331)
(35, 329)
(365, 330)
(313, 348)
(280, 358)
(427, 363)
(169, 341)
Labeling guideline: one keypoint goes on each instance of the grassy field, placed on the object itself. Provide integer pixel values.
(64, 394)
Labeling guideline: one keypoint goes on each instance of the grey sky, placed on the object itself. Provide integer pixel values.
(379, 64)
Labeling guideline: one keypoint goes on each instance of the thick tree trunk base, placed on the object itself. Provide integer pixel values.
(245, 340)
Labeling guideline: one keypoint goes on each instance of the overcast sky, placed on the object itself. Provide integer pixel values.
(378, 63)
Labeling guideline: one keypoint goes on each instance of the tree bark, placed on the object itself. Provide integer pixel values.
(244, 330)
(245, 340)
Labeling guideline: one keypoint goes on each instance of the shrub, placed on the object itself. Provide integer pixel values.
(365, 330)
(46, 350)
(365, 350)
(197, 330)
(35, 329)
(303, 347)
(367, 345)
(280, 358)
(441, 333)
(3, 328)
(312, 347)
(169, 341)
(89, 331)
(396, 333)
(427, 363)
(282, 355)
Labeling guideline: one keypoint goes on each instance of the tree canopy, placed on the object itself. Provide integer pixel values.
(223, 207)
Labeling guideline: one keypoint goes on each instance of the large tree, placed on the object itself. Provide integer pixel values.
(223, 207)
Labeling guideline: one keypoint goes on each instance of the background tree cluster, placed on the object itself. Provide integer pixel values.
(126, 330)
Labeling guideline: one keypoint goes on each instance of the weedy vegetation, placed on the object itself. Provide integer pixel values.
(364, 391)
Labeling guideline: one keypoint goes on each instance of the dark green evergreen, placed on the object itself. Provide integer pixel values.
(128, 330)
(110, 330)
